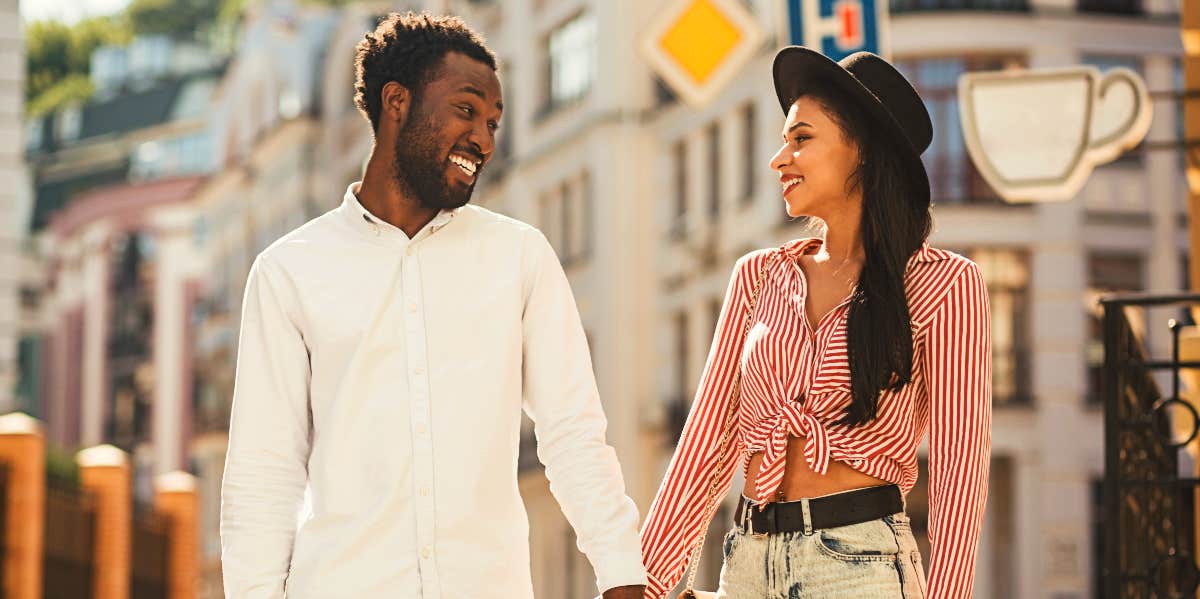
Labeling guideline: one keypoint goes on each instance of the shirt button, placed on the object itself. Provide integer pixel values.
(409, 252)
(418, 371)
(424, 491)
(412, 308)
(421, 428)
(425, 553)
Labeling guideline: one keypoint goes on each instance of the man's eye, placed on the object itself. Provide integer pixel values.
(467, 110)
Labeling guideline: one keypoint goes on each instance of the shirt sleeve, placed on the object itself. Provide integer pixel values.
(266, 464)
(561, 398)
(676, 520)
(958, 374)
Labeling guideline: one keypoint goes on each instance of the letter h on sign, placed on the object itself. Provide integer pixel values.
(839, 28)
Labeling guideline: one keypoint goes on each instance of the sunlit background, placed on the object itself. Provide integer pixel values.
(149, 149)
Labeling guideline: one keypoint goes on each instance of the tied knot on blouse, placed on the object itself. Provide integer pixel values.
(793, 419)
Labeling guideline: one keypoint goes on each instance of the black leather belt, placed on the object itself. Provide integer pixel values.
(807, 515)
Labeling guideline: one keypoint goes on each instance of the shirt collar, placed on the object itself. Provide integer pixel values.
(363, 221)
(808, 245)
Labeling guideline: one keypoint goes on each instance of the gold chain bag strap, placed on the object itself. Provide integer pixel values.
(690, 591)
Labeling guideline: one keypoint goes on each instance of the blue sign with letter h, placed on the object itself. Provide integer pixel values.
(838, 28)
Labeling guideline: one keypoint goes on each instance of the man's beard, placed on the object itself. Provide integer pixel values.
(420, 168)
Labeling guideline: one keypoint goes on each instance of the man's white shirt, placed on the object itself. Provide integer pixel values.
(387, 377)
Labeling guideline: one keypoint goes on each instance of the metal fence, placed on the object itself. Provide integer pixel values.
(70, 533)
(150, 541)
(1149, 540)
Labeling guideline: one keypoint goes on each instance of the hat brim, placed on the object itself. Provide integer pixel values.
(797, 67)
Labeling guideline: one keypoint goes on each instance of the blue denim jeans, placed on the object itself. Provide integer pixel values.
(872, 560)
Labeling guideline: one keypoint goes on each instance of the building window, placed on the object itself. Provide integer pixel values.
(578, 218)
(953, 178)
(749, 160)
(1113, 7)
(679, 156)
(679, 404)
(571, 61)
(566, 219)
(714, 171)
(1177, 83)
(682, 343)
(714, 315)
(1006, 274)
(1109, 273)
(70, 123)
(33, 134)
(29, 376)
(550, 219)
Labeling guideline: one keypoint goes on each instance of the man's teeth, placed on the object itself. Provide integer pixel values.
(468, 166)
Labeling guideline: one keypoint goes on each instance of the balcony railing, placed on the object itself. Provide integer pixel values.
(1112, 7)
(901, 6)
(1149, 544)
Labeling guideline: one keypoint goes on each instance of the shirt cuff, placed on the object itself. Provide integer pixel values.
(620, 570)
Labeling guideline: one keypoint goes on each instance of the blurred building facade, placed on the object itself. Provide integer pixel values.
(153, 200)
(15, 199)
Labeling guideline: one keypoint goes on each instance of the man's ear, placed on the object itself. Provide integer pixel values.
(395, 103)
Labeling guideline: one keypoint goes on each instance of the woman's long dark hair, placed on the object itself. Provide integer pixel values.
(894, 225)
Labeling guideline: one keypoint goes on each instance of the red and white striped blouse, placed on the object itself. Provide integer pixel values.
(796, 381)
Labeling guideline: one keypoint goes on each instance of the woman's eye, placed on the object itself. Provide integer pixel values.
(800, 138)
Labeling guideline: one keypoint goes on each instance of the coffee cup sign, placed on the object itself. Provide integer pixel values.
(1036, 135)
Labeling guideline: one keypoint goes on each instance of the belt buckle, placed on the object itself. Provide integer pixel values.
(771, 513)
(748, 516)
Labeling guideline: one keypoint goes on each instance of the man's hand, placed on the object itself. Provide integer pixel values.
(629, 592)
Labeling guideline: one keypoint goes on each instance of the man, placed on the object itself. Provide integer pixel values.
(387, 348)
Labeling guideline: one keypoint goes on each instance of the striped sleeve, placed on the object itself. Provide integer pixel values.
(676, 520)
(958, 374)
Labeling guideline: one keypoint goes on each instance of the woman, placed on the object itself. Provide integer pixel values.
(857, 344)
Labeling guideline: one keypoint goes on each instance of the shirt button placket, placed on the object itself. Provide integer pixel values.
(423, 473)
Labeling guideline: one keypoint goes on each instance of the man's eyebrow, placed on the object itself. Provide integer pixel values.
(474, 91)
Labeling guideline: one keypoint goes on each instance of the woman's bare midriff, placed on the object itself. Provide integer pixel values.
(799, 481)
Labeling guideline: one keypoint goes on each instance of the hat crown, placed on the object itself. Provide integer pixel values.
(896, 95)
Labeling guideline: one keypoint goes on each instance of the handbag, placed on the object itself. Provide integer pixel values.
(689, 590)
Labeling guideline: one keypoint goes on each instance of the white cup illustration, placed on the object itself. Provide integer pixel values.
(1036, 135)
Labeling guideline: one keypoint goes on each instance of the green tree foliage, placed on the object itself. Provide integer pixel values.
(71, 89)
(58, 57)
(180, 19)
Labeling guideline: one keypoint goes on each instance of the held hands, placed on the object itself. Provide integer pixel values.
(627, 592)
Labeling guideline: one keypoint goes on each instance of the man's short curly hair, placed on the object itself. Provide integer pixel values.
(404, 48)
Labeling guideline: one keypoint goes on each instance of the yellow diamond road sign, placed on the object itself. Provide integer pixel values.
(696, 46)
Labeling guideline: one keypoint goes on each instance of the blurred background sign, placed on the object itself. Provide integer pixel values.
(839, 28)
(697, 46)
(1036, 135)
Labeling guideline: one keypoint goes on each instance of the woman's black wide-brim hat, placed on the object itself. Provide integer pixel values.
(877, 86)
